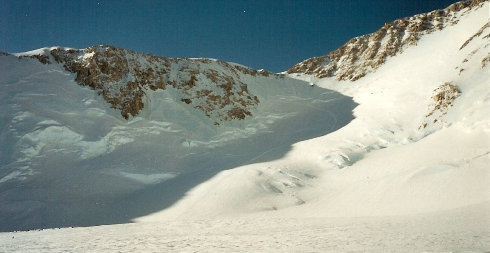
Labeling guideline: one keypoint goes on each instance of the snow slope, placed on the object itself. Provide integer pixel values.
(404, 166)
(68, 159)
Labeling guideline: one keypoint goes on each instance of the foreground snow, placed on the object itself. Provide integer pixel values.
(458, 230)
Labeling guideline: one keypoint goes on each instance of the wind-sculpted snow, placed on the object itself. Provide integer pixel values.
(364, 54)
(68, 159)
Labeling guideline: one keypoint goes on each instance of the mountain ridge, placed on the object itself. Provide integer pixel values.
(123, 77)
(364, 54)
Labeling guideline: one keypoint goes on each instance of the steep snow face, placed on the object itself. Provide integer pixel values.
(124, 78)
(422, 129)
(364, 54)
(68, 158)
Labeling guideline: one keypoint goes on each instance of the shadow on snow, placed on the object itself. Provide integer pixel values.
(37, 203)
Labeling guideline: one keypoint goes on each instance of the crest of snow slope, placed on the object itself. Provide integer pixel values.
(68, 156)
(384, 162)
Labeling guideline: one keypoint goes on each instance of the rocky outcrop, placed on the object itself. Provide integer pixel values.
(123, 77)
(443, 98)
(364, 54)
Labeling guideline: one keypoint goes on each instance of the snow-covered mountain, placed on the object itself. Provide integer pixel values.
(385, 142)
(84, 129)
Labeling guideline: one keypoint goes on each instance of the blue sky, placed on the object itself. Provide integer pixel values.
(261, 34)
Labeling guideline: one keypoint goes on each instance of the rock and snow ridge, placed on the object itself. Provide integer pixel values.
(364, 54)
(122, 77)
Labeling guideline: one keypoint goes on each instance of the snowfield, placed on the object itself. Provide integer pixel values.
(459, 230)
(394, 161)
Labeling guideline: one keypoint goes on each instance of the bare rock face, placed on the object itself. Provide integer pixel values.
(122, 77)
(364, 54)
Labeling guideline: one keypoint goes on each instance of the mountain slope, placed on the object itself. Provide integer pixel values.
(70, 157)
